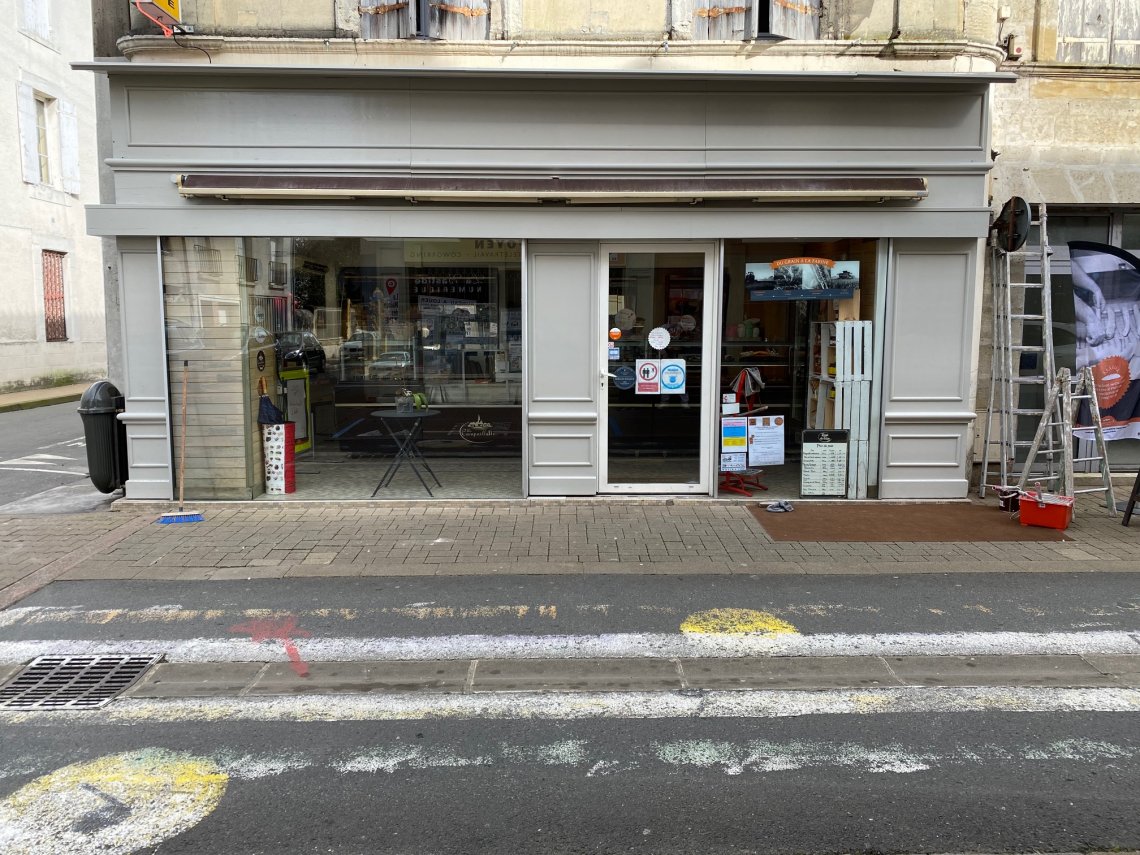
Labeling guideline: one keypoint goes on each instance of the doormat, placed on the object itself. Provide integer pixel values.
(881, 522)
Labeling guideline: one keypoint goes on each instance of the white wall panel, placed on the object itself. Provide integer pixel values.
(144, 357)
(932, 299)
(562, 374)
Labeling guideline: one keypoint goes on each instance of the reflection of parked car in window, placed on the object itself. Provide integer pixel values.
(360, 344)
(300, 349)
(393, 364)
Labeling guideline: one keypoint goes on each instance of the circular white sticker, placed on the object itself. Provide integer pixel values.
(659, 338)
(625, 319)
(688, 323)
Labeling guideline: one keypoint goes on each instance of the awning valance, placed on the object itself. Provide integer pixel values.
(577, 190)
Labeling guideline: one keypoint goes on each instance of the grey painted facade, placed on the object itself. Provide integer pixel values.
(171, 120)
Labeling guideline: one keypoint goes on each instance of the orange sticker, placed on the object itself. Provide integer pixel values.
(1111, 378)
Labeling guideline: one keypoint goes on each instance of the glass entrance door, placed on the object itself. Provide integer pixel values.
(659, 368)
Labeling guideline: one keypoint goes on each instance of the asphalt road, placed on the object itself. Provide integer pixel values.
(870, 783)
(584, 606)
(43, 462)
(980, 767)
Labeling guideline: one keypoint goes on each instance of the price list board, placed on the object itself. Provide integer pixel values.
(823, 465)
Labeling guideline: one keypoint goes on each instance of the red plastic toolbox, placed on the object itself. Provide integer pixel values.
(1047, 510)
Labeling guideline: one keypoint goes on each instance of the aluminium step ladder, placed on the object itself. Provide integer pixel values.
(1056, 435)
(1022, 363)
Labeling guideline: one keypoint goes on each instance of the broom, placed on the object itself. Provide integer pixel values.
(182, 516)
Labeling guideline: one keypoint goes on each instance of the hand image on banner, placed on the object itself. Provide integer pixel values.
(1106, 298)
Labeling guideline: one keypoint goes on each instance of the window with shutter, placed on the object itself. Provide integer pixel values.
(457, 20)
(1099, 32)
(739, 20)
(49, 140)
(37, 22)
(55, 312)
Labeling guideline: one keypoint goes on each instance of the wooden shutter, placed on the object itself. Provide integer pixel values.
(1099, 32)
(388, 20)
(1126, 33)
(459, 20)
(36, 19)
(722, 20)
(795, 19)
(29, 146)
(69, 146)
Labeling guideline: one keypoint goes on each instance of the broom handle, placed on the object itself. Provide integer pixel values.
(182, 450)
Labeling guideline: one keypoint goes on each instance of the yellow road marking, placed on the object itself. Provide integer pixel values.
(179, 615)
(114, 805)
(735, 622)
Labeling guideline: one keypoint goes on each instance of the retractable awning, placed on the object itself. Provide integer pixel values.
(578, 190)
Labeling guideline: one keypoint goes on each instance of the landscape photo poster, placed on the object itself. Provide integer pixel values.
(801, 278)
(1106, 299)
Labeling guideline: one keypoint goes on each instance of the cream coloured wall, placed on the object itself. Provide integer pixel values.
(37, 217)
(269, 17)
(1066, 132)
(1069, 137)
(593, 19)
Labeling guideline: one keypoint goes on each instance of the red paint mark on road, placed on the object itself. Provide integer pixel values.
(284, 630)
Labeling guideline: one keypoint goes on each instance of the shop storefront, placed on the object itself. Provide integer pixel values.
(501, 285)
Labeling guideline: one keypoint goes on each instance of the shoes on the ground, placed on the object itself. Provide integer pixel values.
(780, 507)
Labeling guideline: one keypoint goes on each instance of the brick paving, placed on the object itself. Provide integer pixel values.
(278, 540)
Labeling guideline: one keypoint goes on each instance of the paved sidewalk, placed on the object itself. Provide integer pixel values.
(278, 540)
(31, 398)
(254, 679)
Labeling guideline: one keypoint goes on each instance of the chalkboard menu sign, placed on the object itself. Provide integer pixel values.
(823, 465)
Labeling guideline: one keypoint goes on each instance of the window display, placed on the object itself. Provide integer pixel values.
(778, 362)
(368, 321)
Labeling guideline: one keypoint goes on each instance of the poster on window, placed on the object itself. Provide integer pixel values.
(801, 278)
(1106, 297)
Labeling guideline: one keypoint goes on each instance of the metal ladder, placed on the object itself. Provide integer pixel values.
(1012, 402)
(1057, 434)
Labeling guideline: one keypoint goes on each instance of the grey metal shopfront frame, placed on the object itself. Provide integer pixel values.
(171, 120)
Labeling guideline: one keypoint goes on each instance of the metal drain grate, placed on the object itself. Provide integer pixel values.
(72, 682)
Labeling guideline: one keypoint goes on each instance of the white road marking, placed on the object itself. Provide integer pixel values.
(7, 468)
(591, 705)
(726, 756)
(29, 615)
(78, 442)
(604, 646)
(40, 463)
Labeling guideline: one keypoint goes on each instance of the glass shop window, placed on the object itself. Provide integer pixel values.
(338, 329)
